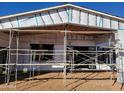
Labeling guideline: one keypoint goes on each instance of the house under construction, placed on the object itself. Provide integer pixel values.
(61, 38)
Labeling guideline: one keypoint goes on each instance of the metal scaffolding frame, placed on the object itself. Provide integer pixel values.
(65, 63)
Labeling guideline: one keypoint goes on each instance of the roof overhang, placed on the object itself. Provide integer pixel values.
(61, 29)
(67, 26)
(62, 15)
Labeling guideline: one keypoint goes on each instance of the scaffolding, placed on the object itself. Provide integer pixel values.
(67, 64)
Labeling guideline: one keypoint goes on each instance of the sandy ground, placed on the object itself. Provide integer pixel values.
(79, 81)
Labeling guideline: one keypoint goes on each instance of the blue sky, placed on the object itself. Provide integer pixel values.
(7, 8)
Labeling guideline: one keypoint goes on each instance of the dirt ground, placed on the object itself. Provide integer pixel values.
(79, 81)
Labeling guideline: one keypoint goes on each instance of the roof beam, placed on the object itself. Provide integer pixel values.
(59, 31)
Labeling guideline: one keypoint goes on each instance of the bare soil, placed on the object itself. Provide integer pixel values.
(79, 81)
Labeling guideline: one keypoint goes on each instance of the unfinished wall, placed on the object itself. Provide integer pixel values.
(57, 40)
(4, 38)
(105, 40)
(120, 56)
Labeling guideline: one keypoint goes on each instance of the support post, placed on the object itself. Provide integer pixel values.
(73, 54)
(64, 59)
(110, 58)
(120, 70)
(17, 56)
(33, 66)
(30, 70)
(9, 56)
(96, 58)
(110, 49)
(122, 66)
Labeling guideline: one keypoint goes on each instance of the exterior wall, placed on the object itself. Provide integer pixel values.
(4, 38)
(103, 41)
(26, 40)
(120, 56)
(4, 43)
(56, 39)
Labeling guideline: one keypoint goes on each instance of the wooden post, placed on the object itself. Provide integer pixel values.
(9, 56)
(17, 56)
(96, 58)
(73, 54)
(30, 70)
(64, 58)
(33, 66)
(110, 53)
